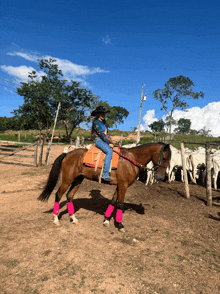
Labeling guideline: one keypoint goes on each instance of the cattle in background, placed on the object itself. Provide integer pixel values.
(195, 161)
(176, 163)
(215, 161)
(147, 176)
(150, 174)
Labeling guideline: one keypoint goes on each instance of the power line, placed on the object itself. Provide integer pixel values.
(6, 86)
(8, 81)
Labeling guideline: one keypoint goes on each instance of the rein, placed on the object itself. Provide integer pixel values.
(129, 159)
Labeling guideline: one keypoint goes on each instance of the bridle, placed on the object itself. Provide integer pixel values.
(158, 164)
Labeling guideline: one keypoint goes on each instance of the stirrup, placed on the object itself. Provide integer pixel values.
(107, 179)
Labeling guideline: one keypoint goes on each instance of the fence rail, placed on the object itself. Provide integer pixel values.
(4, 156)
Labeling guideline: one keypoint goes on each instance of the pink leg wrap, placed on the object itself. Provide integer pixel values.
(56, 208)
(70, 208)
(109, 210)
(119, 216)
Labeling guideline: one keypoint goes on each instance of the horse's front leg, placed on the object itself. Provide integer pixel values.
(110, 209)
(122, 188)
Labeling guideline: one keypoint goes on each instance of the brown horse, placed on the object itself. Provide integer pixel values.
(74, 171)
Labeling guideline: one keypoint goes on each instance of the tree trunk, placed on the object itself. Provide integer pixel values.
(66, 128)
(170, 126)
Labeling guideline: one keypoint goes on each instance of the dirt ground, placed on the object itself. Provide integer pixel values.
(171, 244)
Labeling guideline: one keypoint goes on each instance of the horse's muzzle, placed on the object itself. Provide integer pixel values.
(159, 176)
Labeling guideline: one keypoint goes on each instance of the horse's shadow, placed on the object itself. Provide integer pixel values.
(96, 203)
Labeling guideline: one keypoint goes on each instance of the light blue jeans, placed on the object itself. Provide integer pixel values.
(108, 155)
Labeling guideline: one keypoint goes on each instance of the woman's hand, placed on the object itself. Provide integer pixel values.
(111, 145)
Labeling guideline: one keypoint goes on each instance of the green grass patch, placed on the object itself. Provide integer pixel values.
(28, 173)
(12, 263)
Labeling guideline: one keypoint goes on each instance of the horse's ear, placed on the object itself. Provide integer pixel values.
(166, 148)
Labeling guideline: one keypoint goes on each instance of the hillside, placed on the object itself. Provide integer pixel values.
(127, 137)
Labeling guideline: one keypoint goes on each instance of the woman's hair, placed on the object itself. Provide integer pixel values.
(95, 118)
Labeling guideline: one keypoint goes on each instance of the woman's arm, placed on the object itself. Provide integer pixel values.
(98, 131)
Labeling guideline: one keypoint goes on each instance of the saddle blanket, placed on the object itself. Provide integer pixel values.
(95, 158)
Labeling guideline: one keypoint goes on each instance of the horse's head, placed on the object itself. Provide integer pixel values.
(161, 160)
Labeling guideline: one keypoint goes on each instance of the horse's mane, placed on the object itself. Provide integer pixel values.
(147, 144)
(165, 147)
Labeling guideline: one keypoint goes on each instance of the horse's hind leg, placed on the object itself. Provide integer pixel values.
(64, 186)
(72, 190)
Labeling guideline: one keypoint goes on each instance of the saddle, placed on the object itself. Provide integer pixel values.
(95, 158)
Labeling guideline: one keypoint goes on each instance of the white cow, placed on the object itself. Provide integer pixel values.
(194, 161)
(147, 175)
(215, 162)
(150, 174)
(176, 162)
(130, 145)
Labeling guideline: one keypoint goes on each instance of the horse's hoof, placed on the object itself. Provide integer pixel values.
(120, 227)
(57, 223)
(122, 230)
(106, 223)
(56, 220)
(73, 219)
(74, 222)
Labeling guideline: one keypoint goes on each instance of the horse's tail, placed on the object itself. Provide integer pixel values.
(53, 178)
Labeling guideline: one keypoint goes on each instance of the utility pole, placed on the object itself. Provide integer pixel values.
(143, 98)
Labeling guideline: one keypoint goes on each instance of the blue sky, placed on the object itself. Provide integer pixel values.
(113, 47)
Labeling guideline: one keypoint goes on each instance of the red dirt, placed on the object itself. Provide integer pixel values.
(171, 244)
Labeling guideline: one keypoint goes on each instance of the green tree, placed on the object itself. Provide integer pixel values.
(41, 98)
(9, 123)
(169, 120)
(184, 125)
(205, 132)
(3, 124)
(193, 132)
(116, 116)
(175, 94)
(157, 126)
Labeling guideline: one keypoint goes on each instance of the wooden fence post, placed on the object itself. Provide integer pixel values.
(121, 139)
(77, 142)
(41, 152)
(35, 154)
(184, 171)
(208, 176)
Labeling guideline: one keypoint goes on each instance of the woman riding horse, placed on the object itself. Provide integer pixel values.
(102, 139)
(129, 164)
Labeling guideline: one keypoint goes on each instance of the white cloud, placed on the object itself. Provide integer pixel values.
(70, 70)
(148, 119)
(208, 116)
(21, 72)
(24, 55)
(106, 40)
